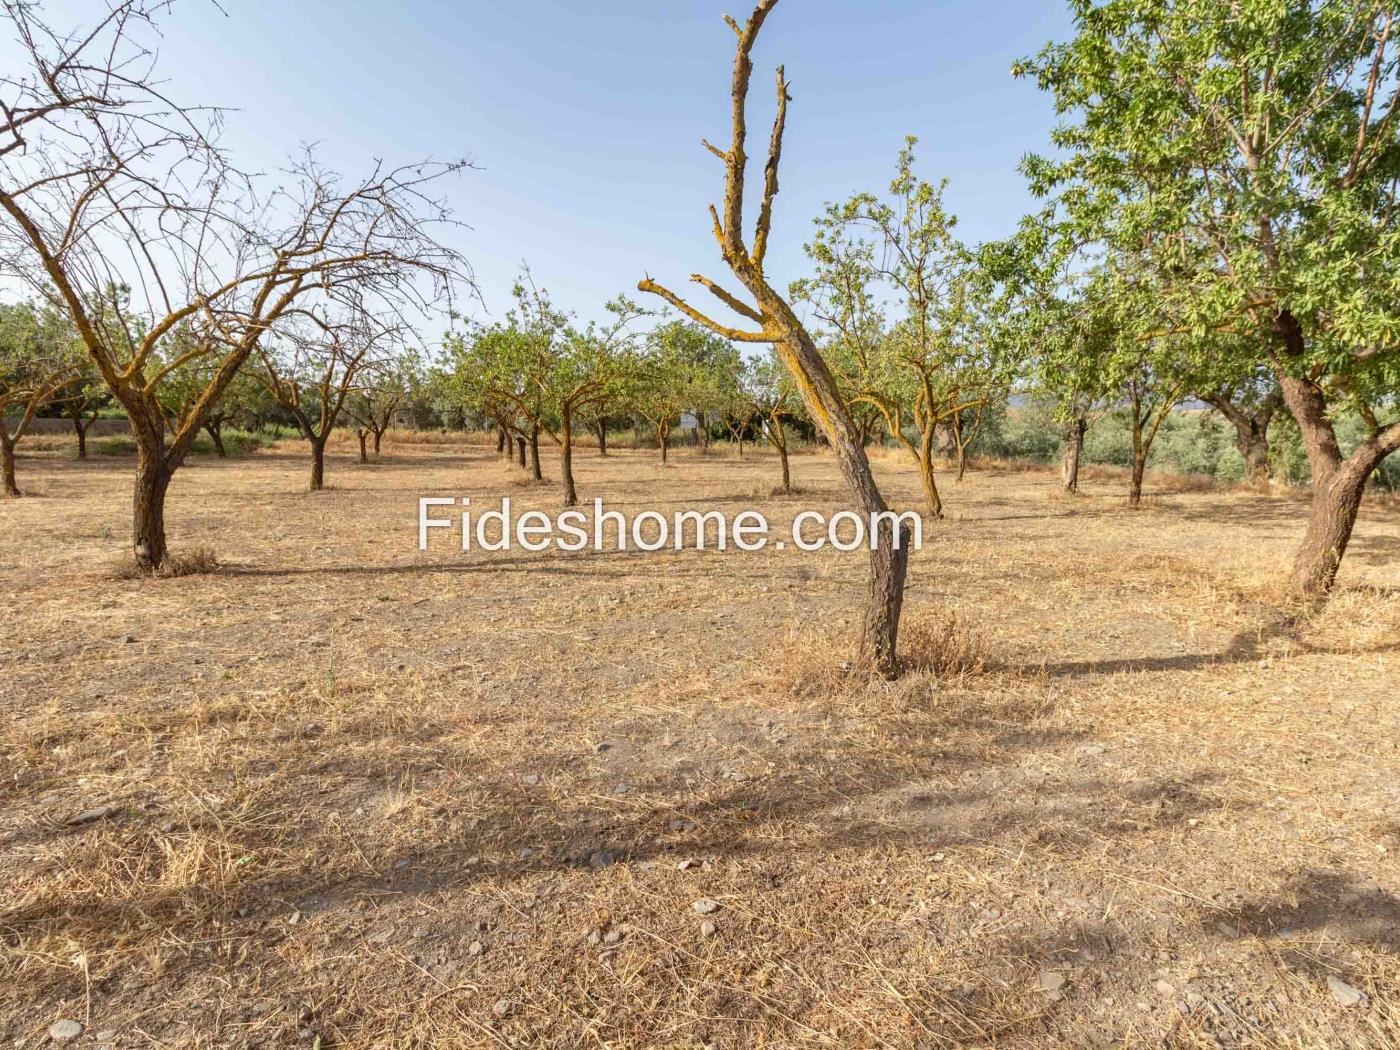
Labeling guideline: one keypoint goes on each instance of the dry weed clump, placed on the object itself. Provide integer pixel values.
(941, 642)
(197, 561)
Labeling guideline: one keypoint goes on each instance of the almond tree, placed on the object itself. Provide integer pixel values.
(928, 368)
(770, 319)
(1250, 148)
(771, 398)
(673, 373)
(81, 400)
(37, 357)
(549, 372)
(382, 390)
(105, 182)
(314, 363)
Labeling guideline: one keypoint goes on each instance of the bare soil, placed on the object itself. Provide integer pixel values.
(341, 793)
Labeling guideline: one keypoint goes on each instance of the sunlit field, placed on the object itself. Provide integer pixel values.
(338, 792)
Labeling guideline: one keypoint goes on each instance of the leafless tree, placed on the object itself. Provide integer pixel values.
(317, 360)
(774, 322)
(107, 183)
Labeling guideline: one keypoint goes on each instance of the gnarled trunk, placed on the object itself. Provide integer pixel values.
(215, 432)
(364, 452)
(1335, 504)
(153, 474)
(601, 429)
(378, 441)
(81, 429)
(1338, 485)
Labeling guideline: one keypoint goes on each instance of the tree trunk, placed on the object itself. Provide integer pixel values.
(1139, 453)
(889, 560)
(962, 461)
(502, 439)
(1135, 484)
(1074, 452)
(636, 435)
(923, 455)
(378, 440)
(602, 429)
(7, 466)
(364, 454)
(930, 485)
(153, 474)
(81, 429)
(1335, 504)
(1337, 484)
(535, 470)
(566, 457)
(216, 436)
(520, 450)
(318, 465)
(1254, 447)
(663, 434)
(783, 454)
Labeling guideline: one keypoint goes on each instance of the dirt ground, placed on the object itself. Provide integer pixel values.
(341, 793)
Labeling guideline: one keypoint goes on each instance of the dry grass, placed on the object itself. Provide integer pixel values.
(341, 791)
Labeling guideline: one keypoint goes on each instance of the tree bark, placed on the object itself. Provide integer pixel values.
(502, 439)
(601, 427)
(535, 470)
(1251, 432)
(216, 436)
(1135, 484)
(566, 457)
(1338, 485)
(318, 464)
(1139, 454)
(378, 440)
(1074, 452)
(153, 474)
(663, 434)
(7, 465)
(520, 450)
(783, 454)
(81, 429)
(364, 454)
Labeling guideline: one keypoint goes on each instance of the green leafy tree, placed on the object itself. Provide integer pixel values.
(930, 367)
(1250, 150)
(38, 355)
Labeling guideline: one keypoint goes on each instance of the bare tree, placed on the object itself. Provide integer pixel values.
(777, 324)
(316, 361)
(105, 183)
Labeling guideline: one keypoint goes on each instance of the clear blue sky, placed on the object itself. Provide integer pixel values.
(585, 118)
